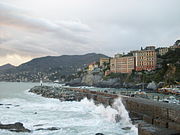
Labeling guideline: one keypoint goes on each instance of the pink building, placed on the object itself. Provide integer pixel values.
(145, 60)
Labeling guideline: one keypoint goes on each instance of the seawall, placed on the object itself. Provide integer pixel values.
(158, 118)
(153, 118)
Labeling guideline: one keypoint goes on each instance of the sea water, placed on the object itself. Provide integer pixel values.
(71, 118)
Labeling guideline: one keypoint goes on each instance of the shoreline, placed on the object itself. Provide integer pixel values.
(138, 108)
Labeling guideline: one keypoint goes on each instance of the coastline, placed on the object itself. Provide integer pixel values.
(139, 109)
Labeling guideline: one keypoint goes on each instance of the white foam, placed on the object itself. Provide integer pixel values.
(110, 113)
(74, 118)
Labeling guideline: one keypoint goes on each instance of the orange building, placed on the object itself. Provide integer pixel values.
(122, 64)
(145, 60)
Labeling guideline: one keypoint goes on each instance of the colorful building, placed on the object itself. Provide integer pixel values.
(104, 61)
(122, 64)
(92, 66)
(145, 60)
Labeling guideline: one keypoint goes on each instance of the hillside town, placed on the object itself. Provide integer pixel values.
(136, 66)
(138, 60)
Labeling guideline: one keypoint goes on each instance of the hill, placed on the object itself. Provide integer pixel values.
(51, 67)
(6, 67)
(65, 63)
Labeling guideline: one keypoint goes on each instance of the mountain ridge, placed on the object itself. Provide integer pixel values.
(50, 66)
(59, 61)
(6, 66)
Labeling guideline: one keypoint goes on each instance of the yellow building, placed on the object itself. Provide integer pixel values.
(92, 66)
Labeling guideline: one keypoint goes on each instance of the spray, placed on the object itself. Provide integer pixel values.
(117, 113)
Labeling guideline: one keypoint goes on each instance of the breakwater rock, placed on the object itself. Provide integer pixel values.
(96, 79)
(16, 127)
(74, 94)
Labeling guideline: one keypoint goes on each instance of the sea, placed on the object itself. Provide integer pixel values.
(70, 118)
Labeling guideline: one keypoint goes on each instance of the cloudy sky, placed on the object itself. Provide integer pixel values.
(35, 28)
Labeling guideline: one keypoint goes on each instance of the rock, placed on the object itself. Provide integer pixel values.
(129, 85)
(99, 134)
(8, 104)
(117, 118)
(75, 82)
(17, 127)
(148, 129)
(38, 125)
(111, 83)
(91, 79)
(126, 128)
(152, 86)
(51, 128)
(160, 84)
(141, 85)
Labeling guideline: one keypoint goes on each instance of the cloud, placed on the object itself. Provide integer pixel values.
(100, 26)
(24, 34)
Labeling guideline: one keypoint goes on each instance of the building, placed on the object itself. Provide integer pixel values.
(163, 50)
(122, 64)
(104, 61)
(150, 48)
(145, 60)
(118, 55)
(174, 47)
(92, 66)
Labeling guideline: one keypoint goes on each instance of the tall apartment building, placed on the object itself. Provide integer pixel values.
(104, 60)
(122, 64)
(145, 60)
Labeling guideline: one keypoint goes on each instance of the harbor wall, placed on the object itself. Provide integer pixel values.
(160, 116)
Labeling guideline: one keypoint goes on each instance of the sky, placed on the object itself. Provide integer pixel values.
(37, 28)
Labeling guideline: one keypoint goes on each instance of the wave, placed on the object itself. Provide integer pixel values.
(73, 118)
